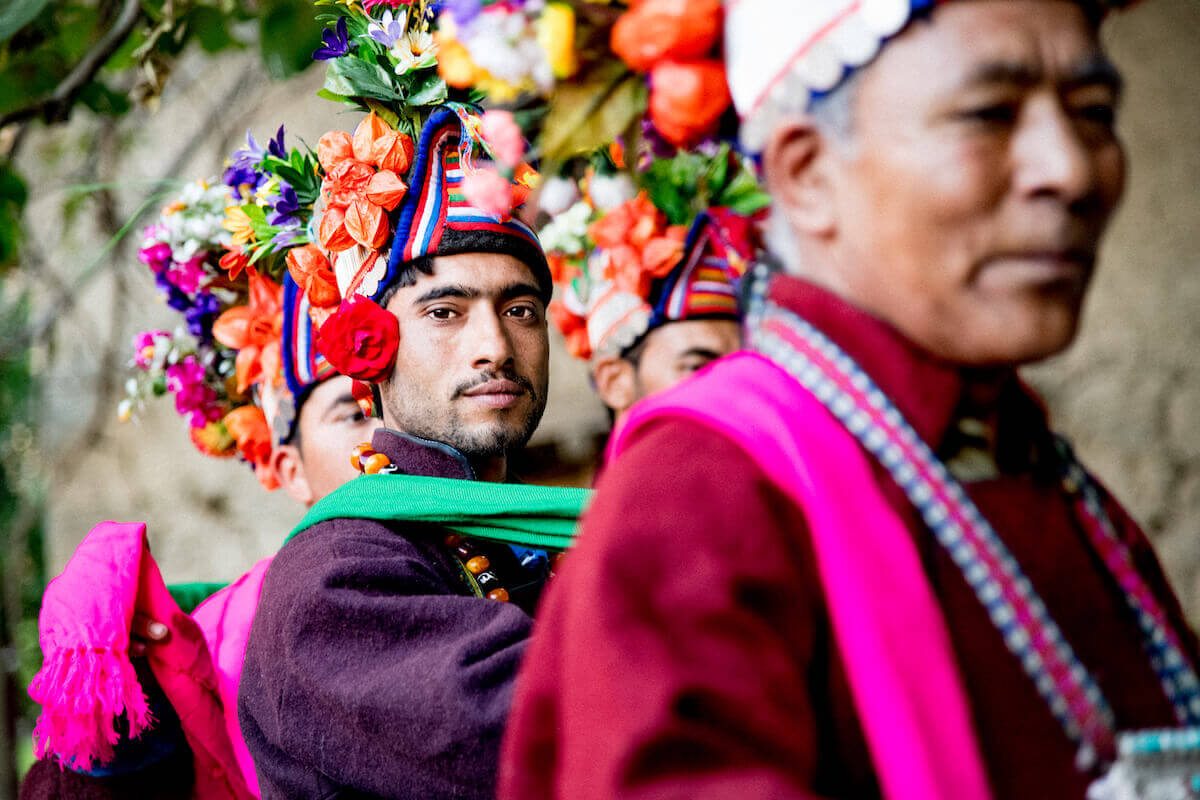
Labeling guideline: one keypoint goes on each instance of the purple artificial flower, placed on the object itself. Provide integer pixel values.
(659, 147)
(275, 146)
(284, 206)
(156, 256)
(201, 315)
(243, 168)
(176, 299)
(337, 43)
(463, 11)
(388, 29)
(286, 237)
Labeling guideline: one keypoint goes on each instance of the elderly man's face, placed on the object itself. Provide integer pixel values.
(982, 173)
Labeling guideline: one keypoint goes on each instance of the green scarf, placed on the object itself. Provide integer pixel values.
(529, 516)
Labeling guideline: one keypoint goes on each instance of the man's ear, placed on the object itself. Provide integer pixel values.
(289, 469)
(795, 166)
(615, 382)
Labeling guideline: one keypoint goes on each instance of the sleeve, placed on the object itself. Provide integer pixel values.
(673, 656)
(365, 666)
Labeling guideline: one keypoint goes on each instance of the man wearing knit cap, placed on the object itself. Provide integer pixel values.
(390, 625)
(861, 564)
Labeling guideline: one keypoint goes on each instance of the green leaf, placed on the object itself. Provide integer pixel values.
(353, 77)
(334, 96)
(103, 100)
(211, 30)
(12, 202)
(16, 14)
(430, 92)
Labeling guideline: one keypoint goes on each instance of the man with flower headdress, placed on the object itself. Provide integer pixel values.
(391, 623)
(861, 565)
(247, 378)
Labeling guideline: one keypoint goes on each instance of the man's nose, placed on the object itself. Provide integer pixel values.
(1054, 157)
(490, 341)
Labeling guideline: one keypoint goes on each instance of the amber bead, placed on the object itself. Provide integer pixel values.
(452, 539)
(463, 549)
(478, 564)
(375, 462)
(360, 452)
(498, 594)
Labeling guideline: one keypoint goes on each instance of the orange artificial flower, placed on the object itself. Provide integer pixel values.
(347, 181)
(687, 99)
(235, 262)
(561, 270)
(248, 427)
(393, 151)
(455, 64)
(251, 330)
(332, 231)
(366, 134)
(573, 328)
(624, 269)
(311, 271)
(657, 30)
(333, 147)
(366, 224)
(662, 253)
(385, 189)
(525, 180)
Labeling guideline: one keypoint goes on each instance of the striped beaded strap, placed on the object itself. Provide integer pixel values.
(1015, 608)
(1162, 643)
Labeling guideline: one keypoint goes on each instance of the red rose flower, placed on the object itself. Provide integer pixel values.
(360, 340)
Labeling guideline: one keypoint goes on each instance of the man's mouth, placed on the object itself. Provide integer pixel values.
(1042, 267)
(497, 393)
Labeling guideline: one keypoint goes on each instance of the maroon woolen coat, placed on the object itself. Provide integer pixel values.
(685, 650)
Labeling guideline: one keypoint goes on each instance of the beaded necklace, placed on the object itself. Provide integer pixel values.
(1019, 614)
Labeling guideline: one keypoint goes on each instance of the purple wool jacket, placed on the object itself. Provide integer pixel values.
(372, 670)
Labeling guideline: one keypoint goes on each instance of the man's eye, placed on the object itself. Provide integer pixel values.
(522, 312)
(996, 114)
(1102, 113)
(442, 313)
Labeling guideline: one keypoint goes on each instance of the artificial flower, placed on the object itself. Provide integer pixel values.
(416, 50)
(194, 399)
(332, 233)
(334, 147)
(561, 269)
(369, 4)
(214, 440)
(311, 271)
(235, 262)
(201, 315)
(367, 224)
(574, 329)
(393, 151)
(609, 191)
(190, 275)
(386, 190)
(248, 426)
(558, 194)
(456, 66)
(347, 181)
(144, 344)
(284, 205)
(687, 99)
(239, 224)
(388, 29)
(156, 256)
(251, 329)
(462, 11)
(490, 192)
(370, 129)
(556, 37)
(499, 130)
(360, 339)
(336, 42)
(656, 30)
(525, 180)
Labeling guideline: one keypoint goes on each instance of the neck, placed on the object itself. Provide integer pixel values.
(493, 469)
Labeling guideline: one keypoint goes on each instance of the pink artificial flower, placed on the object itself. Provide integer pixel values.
(501, 133)
(188, 276)
(490, 192)
(156, 256)
(194, 399)
(369, 4)
(143, 347)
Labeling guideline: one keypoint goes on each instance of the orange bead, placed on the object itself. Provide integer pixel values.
(452, 539)
(478, 564)
(360, 452)
(375, 462)
(499, 595)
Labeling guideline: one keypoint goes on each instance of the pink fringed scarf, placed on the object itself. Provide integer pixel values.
(87, 680)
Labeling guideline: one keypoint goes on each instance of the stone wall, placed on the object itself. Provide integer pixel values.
(1128, 392)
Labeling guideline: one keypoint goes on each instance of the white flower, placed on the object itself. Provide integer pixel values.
(566, 232)
(557, 195)
(610, 191)
(414, 50)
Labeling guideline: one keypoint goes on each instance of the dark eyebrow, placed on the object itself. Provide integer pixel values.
(515, 290)
(1092, 71)
(701, 352)
(339, 400)
(451, 290)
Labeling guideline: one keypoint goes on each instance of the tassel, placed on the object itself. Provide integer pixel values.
(82, 692)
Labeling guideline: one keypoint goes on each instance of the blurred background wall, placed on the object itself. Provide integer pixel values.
(1128, 392)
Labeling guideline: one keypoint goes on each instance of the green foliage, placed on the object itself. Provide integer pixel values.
(690, 182)
(288, 34)
(586, 117)
(12, 201)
